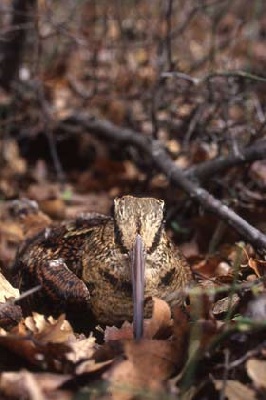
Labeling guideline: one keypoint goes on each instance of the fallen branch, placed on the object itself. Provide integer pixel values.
(209, 168)
(104, 129)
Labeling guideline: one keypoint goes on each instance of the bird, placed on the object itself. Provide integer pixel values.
(111, 265)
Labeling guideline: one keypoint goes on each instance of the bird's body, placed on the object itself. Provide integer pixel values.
(88, 261)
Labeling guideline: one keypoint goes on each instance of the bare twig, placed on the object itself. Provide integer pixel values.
(249, 354)
(209, 168)
(213, 75)
(28, 293)
(234, 74)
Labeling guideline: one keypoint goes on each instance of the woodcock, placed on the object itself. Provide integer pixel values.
(105, 263)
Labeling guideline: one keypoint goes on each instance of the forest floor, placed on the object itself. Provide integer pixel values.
(164, 101)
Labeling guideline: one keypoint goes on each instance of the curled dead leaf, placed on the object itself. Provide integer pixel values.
(47, 329)
(160, 321)
(226, 304)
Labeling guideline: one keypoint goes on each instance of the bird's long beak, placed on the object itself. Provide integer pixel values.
(137, 273)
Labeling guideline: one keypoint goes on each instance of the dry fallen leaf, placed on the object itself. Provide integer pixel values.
(207, 266)
(47, 329)
(114, 333)
(226, 304)
(160, 320)
(10, 230)
(40, 341)
(7, 291)
(258, 171)
(55, 208)
(256, 308)
(156, 326)
(34, 386)
(81, 349)
(24, 214)
(149, 363)
(256, 370)
(235, 390)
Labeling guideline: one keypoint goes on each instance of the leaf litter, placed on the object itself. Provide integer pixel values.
(215, 346)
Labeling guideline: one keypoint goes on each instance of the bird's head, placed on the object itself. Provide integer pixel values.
(138, 216)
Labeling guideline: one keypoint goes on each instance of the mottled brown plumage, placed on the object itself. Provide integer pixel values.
(87, 262)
